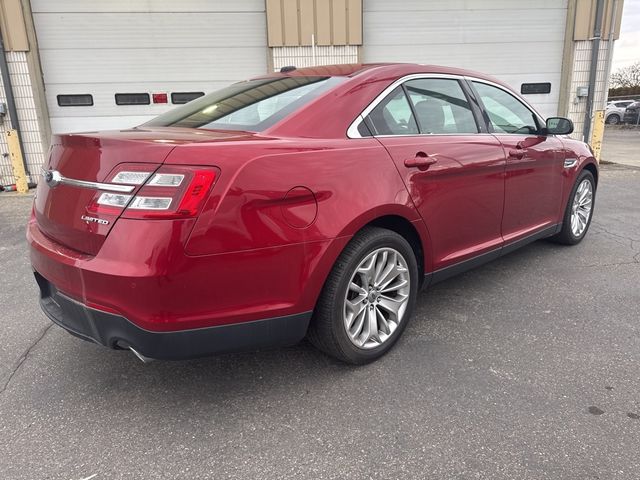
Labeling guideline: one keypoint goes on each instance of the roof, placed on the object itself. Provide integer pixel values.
(341, 70)
(399, 69)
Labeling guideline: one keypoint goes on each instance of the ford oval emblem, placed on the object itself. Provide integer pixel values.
(52, 178)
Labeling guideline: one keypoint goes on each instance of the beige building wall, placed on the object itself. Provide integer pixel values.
(578, 52)
(24, 74)
(577, 106)
(308, 56)
(305, 33)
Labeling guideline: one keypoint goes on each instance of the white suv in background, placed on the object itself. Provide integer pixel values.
(614, 112)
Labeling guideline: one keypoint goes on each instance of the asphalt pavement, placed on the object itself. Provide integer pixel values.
(621, 144)
(525, 368)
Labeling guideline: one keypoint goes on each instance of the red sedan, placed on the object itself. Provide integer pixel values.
(310, 202)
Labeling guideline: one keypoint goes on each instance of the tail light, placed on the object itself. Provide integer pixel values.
(168, 192)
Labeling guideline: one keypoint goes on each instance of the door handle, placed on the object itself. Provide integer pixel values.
(518, 152)
(421, 161)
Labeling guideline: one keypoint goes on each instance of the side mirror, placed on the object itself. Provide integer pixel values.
(559, 126)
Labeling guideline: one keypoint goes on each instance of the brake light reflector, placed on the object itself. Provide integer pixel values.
(172, 192)
(150, 203)
(196, 192)
(168, 192)
(113, 199)
(166, 180)
(132, 178)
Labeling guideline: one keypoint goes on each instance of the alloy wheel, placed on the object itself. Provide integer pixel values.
(581, 207)
(376, 298)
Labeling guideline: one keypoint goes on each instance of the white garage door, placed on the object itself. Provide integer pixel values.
(92, 50)
(516, 41)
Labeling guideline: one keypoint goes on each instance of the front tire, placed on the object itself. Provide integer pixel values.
(368, 298)
(579, 210)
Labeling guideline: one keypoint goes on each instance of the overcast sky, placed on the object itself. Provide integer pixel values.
(627, 48)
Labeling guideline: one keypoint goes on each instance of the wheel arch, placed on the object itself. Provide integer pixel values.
(401, 218)
(406, 230)
(591, 167)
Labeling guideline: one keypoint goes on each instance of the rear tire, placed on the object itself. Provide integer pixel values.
(613, 119)
(375, 274)
(577, 219)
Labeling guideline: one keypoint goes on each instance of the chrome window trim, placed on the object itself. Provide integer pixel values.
(53, 178)
(429, 135)
(352, 131)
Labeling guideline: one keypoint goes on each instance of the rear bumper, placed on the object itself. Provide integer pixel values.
(115, 331)
(149, 280)
(631, 117)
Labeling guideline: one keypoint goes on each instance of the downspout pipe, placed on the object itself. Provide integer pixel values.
(593, 70)
(11, 101)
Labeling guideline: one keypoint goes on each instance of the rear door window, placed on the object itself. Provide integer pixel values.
(441, 106)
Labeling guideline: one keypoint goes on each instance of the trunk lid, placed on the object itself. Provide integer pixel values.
(61, 210)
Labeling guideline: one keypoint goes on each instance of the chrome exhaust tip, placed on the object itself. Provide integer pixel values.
(141, 357)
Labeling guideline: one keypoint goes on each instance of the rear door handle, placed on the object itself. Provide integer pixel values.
(421, 161)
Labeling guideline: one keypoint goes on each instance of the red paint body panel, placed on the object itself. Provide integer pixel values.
(158, 287)
(460, 197)
(533, 184)
(245, 209)
(284, 205)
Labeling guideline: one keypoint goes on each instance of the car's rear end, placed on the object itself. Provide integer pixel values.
(632, 114)
(110, 226)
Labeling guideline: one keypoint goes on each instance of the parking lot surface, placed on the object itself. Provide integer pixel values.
(524, 368)
(621, 145)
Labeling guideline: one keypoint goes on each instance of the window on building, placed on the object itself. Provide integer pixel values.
(133, 99)
(77, 100)
(179, 98)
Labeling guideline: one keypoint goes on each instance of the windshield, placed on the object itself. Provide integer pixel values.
(253, 105)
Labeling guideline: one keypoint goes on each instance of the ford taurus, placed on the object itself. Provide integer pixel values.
(313, 202)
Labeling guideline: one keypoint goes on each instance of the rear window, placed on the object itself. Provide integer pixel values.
(254, 105)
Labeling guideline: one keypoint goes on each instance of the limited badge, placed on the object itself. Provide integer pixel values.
(100, 221)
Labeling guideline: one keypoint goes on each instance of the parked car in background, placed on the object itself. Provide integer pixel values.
(614, 113)
(631, 113)
(315, 201)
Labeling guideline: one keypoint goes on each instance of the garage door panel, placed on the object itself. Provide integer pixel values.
(507, 66)
(93, 123)
(104, 47)
(440, 28)
(104, 100)
(546, 104)
(515, 41)
(438, 5)
(146, 6)
(114, 30)
(151, 65)
(506, 60)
